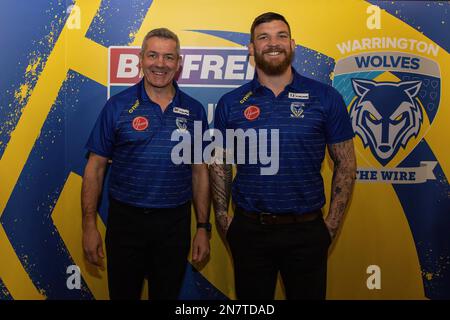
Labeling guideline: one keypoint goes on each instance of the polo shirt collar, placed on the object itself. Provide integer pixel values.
(144, 98)
(294, 85)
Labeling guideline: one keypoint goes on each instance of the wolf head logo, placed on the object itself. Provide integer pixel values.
(386, 115)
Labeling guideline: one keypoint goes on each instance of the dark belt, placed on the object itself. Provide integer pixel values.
(142, 210)
(270, 218)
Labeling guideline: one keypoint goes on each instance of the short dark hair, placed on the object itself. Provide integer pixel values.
(267, 17)
(161, 33)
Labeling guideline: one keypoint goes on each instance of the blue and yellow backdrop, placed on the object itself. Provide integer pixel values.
(56, 74)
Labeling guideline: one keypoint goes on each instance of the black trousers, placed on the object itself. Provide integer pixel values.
(298, 251)
(151, 243)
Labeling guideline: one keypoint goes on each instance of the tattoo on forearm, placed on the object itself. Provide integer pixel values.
(220, 180)
(344, 175)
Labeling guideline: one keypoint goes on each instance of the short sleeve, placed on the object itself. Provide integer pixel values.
(338, 124)
(220, 117)
(102, 138)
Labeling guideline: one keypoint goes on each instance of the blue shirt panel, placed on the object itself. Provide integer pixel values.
(142, 171)
(309, 115)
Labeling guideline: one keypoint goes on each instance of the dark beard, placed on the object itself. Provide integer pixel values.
(274, 69)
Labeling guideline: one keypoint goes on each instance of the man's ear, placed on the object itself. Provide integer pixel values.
(141, 70)
(251, 49)
(293, 44)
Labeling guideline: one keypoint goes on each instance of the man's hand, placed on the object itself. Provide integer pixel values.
(90, 193)
(200, 246)
(93, 246)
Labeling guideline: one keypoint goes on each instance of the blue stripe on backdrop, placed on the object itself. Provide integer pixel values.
(429, 220)
(197, 287)
(117, 22)
(417, 14)
(29, 33)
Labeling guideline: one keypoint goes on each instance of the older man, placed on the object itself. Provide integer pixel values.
(148, 228)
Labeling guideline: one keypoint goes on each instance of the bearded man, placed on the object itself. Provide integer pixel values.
(278, 224)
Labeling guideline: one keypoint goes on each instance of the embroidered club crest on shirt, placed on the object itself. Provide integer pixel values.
(181, 123)
(297, 109)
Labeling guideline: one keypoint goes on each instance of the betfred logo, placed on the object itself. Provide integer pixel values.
(251, 113)
(123, 65)
(140, 123)
(202, 67)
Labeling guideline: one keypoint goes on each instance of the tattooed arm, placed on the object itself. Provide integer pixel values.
(220, 175)
(344, 174)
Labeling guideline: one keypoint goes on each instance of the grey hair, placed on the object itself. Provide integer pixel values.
(161, 33)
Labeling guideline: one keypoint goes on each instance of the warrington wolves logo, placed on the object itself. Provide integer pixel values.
(386, 115)
(392, 100)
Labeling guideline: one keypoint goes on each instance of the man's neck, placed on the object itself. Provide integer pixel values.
(161, 96)
(275, 83)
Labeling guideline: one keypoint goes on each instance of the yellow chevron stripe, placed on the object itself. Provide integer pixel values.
(67, 219)
(88, 58)
(13, 274)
